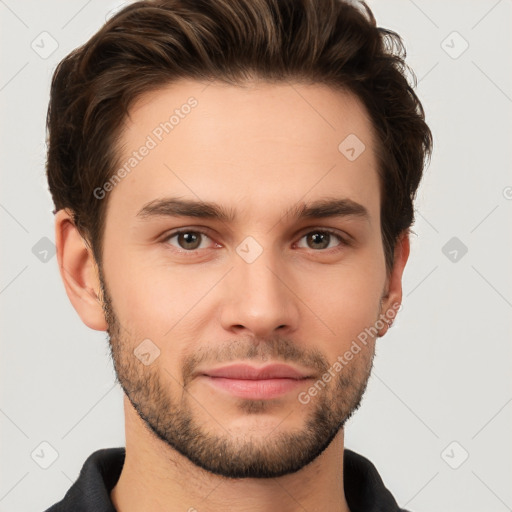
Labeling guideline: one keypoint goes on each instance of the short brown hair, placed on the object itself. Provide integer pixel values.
(153, 43)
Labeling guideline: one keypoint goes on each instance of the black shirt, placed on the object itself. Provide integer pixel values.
(364, 488)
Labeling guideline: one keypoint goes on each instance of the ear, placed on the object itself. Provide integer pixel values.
(79, 272)
(392, 298)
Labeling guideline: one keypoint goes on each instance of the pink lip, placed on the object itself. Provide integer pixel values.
(248, 382)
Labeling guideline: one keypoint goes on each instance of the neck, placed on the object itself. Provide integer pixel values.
(156, 477)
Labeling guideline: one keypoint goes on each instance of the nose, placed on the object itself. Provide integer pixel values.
(260, 298)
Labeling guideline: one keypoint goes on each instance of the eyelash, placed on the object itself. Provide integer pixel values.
(344, 242)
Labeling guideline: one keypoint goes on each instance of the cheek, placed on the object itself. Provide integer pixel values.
(346, 299)
(136, 293)
(152, 299)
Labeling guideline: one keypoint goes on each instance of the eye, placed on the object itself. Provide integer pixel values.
(187, 239)
(322, 238)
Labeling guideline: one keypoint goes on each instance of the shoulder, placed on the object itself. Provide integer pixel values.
(91, 490)
(364, 487)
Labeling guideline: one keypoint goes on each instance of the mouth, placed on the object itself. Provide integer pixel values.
(249, 382)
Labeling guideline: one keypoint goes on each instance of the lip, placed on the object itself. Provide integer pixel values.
(248, 372)
(249, 382)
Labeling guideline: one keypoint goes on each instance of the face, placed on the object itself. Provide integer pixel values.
(284, 265)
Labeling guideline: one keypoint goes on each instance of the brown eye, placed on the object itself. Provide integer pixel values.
(319, 240)
(187, 240)
(322, 239)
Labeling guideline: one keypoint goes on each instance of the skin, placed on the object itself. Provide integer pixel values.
(259, 151)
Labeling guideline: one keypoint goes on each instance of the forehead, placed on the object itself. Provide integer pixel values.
(260, 147)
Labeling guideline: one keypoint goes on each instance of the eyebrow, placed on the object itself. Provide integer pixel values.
(321, 208)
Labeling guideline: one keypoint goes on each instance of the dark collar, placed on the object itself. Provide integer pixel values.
(364, 488)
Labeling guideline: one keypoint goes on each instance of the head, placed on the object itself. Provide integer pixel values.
(294, 124)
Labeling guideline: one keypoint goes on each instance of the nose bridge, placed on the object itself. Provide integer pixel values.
(259, 299)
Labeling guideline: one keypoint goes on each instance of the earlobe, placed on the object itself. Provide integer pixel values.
(393, 298)
(79, 272)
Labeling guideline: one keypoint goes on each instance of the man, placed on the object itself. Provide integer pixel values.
(233, 184)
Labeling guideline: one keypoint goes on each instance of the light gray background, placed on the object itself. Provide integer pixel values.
(442, 374)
